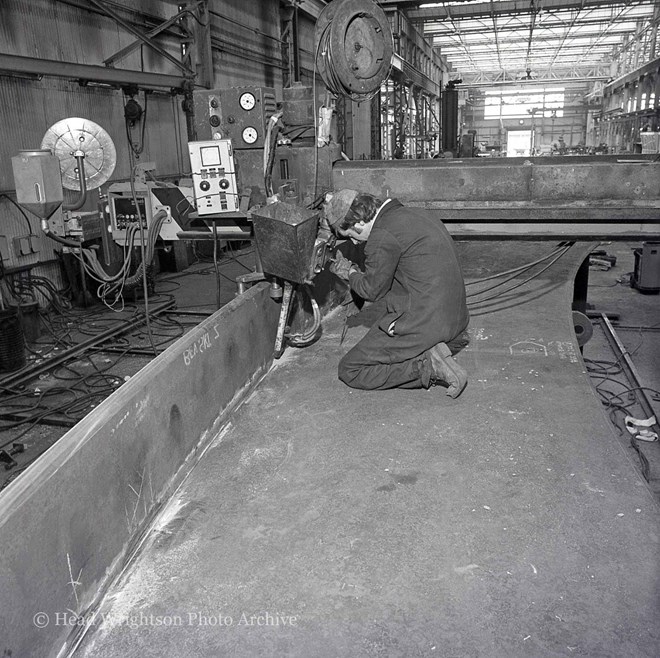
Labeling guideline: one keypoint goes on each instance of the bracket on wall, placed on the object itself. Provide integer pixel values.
(170, 22)
(144, 38)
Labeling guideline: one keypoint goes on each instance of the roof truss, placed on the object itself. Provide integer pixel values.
(540, 39)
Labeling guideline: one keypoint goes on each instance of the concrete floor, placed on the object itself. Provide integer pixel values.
(331, 522)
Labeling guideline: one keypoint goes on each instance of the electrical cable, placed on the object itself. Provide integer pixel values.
(82, 391)
(519, 268)
(235, 259)
(514, 276)
(602, 374)
(215, 265)
(17, 205)
(259, 33)
(270, 141)
(299, 130)
(614, 404)
(145, 264)
(301, 339)
(521, 283)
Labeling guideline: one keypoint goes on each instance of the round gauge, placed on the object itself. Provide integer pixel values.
(247, 101)
(249, 135)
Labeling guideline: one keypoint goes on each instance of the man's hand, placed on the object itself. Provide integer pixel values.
(341, 266)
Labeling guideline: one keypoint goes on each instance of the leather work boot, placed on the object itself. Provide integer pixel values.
(446, 371)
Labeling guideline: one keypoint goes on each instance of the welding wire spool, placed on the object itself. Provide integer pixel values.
(584, 330)
(354, 48)
(77, 135)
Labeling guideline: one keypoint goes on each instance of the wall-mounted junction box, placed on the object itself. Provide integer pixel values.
(25, 245)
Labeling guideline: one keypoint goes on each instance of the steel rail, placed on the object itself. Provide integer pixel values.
(623, 358)
(23, 377)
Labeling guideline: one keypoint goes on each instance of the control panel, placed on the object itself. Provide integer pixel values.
(214, 176)
(124, 212)
(151, 197)
(237, 113)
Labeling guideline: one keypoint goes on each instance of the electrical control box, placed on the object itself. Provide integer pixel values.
(214, 176)
(151, 198)
(237, 113)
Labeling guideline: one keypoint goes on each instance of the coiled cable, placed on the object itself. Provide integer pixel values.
(344, 29)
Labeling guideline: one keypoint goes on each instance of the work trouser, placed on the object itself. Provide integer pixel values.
(380, 361)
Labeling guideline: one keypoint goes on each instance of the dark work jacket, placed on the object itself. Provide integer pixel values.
(411, 261)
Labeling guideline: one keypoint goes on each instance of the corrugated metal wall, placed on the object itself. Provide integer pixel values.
(28, 109)
(246, 51)
(74, 31)
(246, 43)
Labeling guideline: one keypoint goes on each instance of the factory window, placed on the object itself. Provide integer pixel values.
(522, 103)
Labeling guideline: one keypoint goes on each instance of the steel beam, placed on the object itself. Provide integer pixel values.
(151, 431)
(312, 8)
(570, 197)
(506, 7)
(443, 31)
(560, 76)
(651, 68)
(120, 54)
(200, 51)
(505, 228)
(88, 72)
(406, 73)
(141, 36)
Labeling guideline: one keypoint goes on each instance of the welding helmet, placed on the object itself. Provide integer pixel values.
(336, 207)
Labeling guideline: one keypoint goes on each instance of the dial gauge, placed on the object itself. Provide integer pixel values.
(247, 101)
(249, 135)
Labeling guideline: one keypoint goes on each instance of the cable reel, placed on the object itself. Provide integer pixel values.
(354, 48)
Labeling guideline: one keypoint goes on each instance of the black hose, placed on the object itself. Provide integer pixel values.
(300, 340)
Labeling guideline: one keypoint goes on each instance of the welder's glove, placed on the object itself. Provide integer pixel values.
(341, 266)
